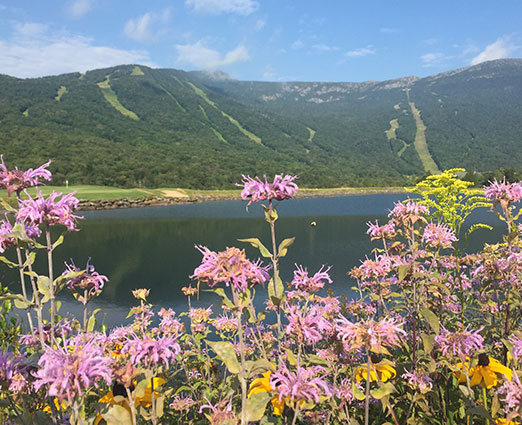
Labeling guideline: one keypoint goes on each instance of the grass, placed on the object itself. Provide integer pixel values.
(61, 91)
(96, 193)
(394, 125)
(137, 71)
(235, 122)
(111, 97)
(312, 134)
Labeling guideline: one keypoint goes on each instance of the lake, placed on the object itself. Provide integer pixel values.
(154, 247)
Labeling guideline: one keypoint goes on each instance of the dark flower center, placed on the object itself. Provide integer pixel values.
(483, 359)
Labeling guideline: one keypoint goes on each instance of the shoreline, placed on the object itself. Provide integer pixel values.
(200, 197)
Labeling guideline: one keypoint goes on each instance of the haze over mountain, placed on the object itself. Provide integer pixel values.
(132, 125)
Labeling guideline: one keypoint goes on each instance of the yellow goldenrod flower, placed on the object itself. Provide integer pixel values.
(262, 385)
(484, 373)
(377, 370)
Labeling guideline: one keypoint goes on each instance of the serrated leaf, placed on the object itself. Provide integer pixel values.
(227, 353)
(284, 245)
(256, 406)
(256, 243)
(432, 319)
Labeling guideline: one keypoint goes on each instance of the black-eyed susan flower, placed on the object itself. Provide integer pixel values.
(502, 421)
(262, 385)
(485, 372)
(378, 372)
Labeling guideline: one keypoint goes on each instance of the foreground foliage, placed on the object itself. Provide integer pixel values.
(434, 336)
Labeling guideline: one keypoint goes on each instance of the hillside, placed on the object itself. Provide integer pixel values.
(136, 126)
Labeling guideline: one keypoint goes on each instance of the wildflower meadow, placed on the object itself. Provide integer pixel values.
(433, 336)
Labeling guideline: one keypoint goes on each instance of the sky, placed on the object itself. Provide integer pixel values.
(261, 40)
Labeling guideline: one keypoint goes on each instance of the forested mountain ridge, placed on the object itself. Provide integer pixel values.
(135, 126)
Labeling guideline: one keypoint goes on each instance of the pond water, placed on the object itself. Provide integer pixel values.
(154, 247)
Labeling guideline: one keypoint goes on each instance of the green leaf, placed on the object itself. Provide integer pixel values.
(403, 271)
(160, 402)
(427, 341)
(256, 243)
(432, 319)
(254, 368)
(256, 406)
(357, 393)
(382, 391)
(292, 359)
(227, 353)
(58, 242)
(276, 292)
(9, 263)
(224, 299)
(91, 323)
(115, 415)
(283, 246)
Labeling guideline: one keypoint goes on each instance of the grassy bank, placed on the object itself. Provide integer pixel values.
(95, 193)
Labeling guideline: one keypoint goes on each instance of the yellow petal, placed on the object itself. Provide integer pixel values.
(498, 367)
(490, 377)
(475, 376)
(260, 385)
(107, 398)
(385, 372)
(278, 406)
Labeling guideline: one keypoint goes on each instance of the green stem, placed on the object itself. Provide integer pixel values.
(52, 295)
(24, 291)
(367, 398)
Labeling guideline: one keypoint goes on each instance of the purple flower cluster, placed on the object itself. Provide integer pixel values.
(72, 368)
(369, 334)
(255, 189)
(13, 372)
(418, 381)
(50, 211)
(310, 284)
(6, 241)
(512, 391)
(301, 385)
(230, 267)
(89, 279)
(17, 180)
(387, 231)
(503, 192)
(408, 213)
(438, 236)
(461, 344)
(226, 323)
(151, 352)
(310, 326)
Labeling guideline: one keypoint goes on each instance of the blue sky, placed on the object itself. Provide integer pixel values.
(263, 40)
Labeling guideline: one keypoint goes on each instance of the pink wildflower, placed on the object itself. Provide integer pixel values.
(49, 211)
(512, 391)
(438, 236)
(226, 323)
(369, 334)
(169, 325)
(72, 368)
(408, 213)
(89, 279)
(151, 352)
(308, 327)
(255, 190)
(386, 231)
(462, 344)
(17, 180)
(503, 192)
(6, 241)
(301, 385)
(379, 267)
(517, 347)
(418, 381)
(230, 267)
(310, 284)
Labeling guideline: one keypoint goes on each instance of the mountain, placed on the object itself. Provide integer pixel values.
(131, 125)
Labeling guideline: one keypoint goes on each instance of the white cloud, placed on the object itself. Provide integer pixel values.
(79, 8)
(433, 59)
(241, 7)
(202, 57)
(141, 29)
(138, 29)
(37, 54)
(325, 48)
(29, 29)
(363, 51)
(502, 48)
(298, 44)
(387, 30)
(260, 24)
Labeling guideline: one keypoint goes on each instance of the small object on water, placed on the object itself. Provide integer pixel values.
(313, 224)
